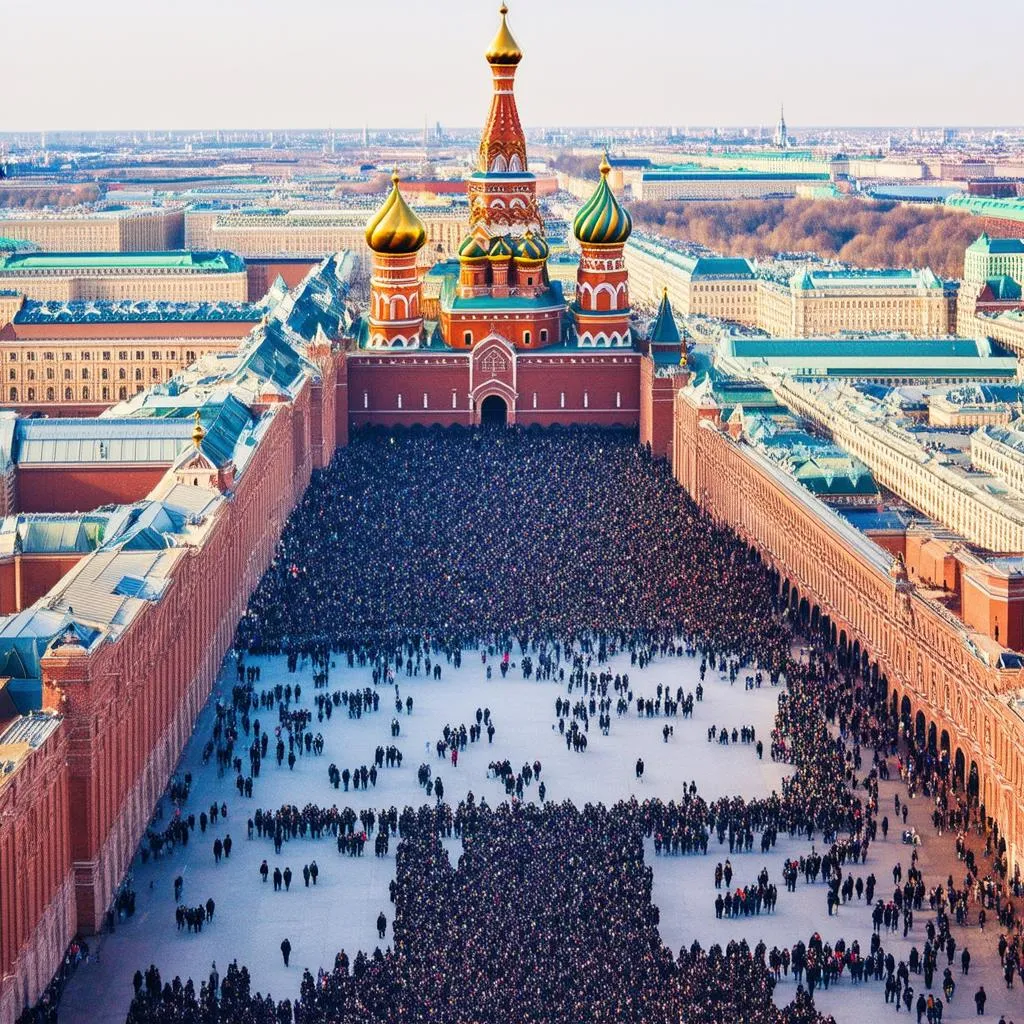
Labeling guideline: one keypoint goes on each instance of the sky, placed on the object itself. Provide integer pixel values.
(110, 64)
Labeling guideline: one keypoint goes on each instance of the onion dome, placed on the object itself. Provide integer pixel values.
(471, 249)
(395, 230)
(501, 248)
(504, 49)
(601, 220)
(530, 248)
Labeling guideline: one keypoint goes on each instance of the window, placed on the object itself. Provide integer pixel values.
(122, 394)
(139, 356)
(14, 394)
(172, 354)
(366, 400)
(49, 373)
(30, 356)
(85, 373)
(138, 373)
(68, 394)
(544, 336)
(106, 394)
(12, 374)
(561, 400)
(155, 355)
(122, 355)
(399, 401)
(49, 394)
(68, 356)
(104, 374)
(468, 337)
(106, 355)
(455, 400)
(586, 399)
(85, 394)
(67, 374)
(618, 399)
(190, 357)
(48, 356)
(31, 395)
(526, 337)
(12, 356)
(426, 404)
(30, 375)
(122, 373)
(535, 399)
(87, 355)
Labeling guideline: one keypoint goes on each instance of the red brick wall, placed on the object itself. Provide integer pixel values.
(261, 274)
(37, 919)
(130, 705)
(83, 488)
(918, 650)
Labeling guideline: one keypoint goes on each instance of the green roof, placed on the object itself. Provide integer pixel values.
(735, 176)
(203, 262)
(551, 298)
(997, 246)
(1003, 288)
(988, 206)
(722, 266)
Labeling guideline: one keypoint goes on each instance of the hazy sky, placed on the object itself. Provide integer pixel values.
(317, 63)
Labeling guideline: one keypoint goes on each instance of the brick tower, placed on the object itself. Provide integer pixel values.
(601, 309)
(395, 235)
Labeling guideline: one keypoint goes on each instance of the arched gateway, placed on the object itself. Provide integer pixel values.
(493, 412)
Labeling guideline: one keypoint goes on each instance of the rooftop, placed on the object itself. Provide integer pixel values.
(135, 311)
(216, 261)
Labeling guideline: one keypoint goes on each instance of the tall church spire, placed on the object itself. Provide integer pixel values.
(502, 192)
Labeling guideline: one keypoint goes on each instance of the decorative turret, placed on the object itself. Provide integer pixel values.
(898, 569)
(395, 235)
(664, 337)
(499, 255)
(530, 248)
(601, 310)
(395, 230)
(601, 220)
(198, 433)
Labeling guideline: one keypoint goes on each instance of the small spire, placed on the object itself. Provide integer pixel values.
(197, 431)
(605, 166)
(394, 176)
(664, 292)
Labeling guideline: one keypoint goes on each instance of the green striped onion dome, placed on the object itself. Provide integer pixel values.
(601, 220)
(471, 249)
(501, 248)
(530, 247)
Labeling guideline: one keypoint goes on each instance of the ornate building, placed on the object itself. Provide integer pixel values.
(505, 344)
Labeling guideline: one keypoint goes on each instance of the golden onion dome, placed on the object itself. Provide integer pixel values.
(198, 433)
(504, 49)
(601, 220)
(395, 230)
(530, 248)
(501, 248)
(471, 249)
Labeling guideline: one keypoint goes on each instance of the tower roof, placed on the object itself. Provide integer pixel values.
(471, 249)
(504, 49)
(664, 330)
(395, 230)
(601, 220)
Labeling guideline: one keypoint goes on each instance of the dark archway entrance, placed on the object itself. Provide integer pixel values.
(493, 412)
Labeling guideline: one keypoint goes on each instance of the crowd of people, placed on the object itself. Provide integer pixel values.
(555, 551)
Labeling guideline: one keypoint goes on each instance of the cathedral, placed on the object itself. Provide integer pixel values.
(503, 346)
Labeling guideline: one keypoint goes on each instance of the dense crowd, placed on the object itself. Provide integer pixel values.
(554, 551)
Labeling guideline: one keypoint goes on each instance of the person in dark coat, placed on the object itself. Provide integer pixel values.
(286, 950)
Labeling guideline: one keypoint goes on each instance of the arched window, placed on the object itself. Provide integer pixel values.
(68, 394)
(14, 394)
(49, 394)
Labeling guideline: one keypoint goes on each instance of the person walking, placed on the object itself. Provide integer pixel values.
(286, 950)
(382, 925)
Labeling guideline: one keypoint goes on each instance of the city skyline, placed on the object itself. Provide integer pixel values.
(236, 66)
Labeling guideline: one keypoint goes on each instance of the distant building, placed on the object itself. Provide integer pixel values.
(127, 230)
(177, 276)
